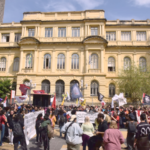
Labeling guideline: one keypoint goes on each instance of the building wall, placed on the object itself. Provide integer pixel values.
(84, 46)
(2, 6)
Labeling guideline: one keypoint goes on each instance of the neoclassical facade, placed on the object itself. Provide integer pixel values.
(58, 49)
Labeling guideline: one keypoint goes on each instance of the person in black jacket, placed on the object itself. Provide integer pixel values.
(39, 120)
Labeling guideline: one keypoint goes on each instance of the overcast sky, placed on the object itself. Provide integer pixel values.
(114, 9)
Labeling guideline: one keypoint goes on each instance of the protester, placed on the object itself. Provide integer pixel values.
(53, 119)
(73, 134)
(88, 131)
(115, 117)
(39, 120)
(10, 125)
(19, 136)
(113, 138)
(142, 133)
(44, 132)
(61, 120)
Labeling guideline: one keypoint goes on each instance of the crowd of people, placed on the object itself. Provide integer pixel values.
(104, 132)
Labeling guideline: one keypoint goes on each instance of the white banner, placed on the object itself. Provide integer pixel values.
(21, 99)
(29, 123)
(81, 116)
(13, 93)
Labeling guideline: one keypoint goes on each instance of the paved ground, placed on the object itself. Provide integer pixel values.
(56, 144)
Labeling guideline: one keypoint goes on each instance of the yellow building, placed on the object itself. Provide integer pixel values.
(58, 49)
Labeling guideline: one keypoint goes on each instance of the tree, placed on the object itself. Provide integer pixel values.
(5, 87)
(134, 81)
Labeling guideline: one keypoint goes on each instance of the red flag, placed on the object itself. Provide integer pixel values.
(54, 102)
(5, 99)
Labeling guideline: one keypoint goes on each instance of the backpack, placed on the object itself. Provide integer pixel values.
(17, 129)
(62, 120)
(131, 128)
(50, 131)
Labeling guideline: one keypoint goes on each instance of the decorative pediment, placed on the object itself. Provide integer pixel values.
(95, 39)
(28, 41)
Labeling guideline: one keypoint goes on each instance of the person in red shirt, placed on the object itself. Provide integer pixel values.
(2, 126)
(115, 117)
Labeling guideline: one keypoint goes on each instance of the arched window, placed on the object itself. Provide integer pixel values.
(60, 89)
(142, 64)
(27, 83)
(75, 61)
(111, 90)
(72, 83)
(111, 64)
(47, 61)
(16, 64)
(94, 88)
(29, 61)
(94, 61)
(46, 86)
(127, 63)
(3, 64)
(61, 61)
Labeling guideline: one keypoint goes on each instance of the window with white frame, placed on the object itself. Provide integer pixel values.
(142, 64)
(94, 61)
(31, 32)
(61, 61)
(47, 61)
(28, 61)
(76, 32)
(16, 64)
(48, 32)
(94, 88)
(61, 32)
(111, 64)
(111, 90)
(141, 36)
(111, 36)
(127, 63)
(75, 61)
(125, 36)
(5, 37)
(94, 30)
(3, 64)
(17, 37)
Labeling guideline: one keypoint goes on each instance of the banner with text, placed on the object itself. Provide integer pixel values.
(29, 123)
(81, 116)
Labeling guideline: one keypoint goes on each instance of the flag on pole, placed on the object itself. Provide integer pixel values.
(77, 102)
(146, 99)
(4, 103)
(54, 102)
(100, 96)
(83, 103)
(75, 92)
(63, 101)
(68, 97)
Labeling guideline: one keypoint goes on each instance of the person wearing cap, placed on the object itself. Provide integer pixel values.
(131, 129)
(113, 137)
(73, 134)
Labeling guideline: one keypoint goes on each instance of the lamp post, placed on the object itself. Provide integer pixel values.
(31, 86)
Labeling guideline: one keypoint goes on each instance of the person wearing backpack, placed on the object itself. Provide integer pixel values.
(73, 134)
(61, 120)
(17, 128)
(131, 130)
(45, 129)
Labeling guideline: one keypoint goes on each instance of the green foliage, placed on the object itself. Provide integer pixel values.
(134, 81)
(5, 88)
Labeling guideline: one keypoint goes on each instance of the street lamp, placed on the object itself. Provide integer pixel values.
(31, 86)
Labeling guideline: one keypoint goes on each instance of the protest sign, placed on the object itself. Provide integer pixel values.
(21, 99)
(81, 116)
(29, 122)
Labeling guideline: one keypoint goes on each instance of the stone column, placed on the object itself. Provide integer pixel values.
(85, 30)
(54, 61)
(81, 63)
(134, 58)
(87, 61)
(8, 63)
(35, 58)
(100, 32)
(24, 31)
(119, 61)
(40, 61)
(102, 61)
(67, 65)
(21, 60)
